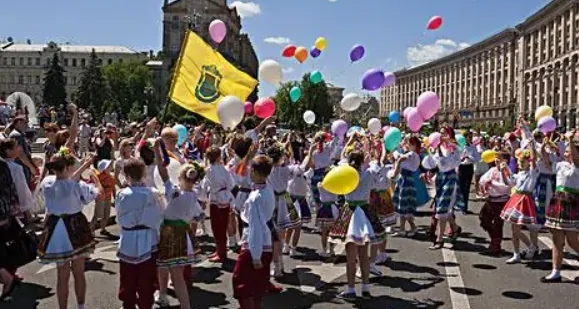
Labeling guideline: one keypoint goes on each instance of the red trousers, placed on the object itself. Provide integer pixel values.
(492, 223)
(248, 282)
(138, 282)
(219, 215)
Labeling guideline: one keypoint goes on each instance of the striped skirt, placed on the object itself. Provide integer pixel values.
(448, 197)
(404, 198)
(563, 211)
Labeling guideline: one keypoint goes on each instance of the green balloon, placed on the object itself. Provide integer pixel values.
(295, 94)
(316, 77)
(460, 140)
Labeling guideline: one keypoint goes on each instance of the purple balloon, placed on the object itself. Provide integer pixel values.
(547, 125)
(373, 79)
(357, 52)
(389, 79)
(315, 53)
(339, 127)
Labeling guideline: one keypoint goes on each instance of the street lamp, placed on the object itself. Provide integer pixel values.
(148, 92)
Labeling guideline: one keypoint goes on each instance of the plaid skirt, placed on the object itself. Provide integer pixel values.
(304, 208)
(286, 213)
(327, 214)
(176, 244)
(356, 223)
(404, 198)
(381, 203)
(543, 195)
(65, 237)
(563, 211)
(520, 209)
(448, 197)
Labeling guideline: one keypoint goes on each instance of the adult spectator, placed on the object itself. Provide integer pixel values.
(104, 145)
(18, 133)
(85, 132)
(8, 228)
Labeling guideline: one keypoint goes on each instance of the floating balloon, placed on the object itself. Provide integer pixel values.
(289, 51)
(488, 156)
(414, 120)
(389, 79)
(316, 77)
(217, 30)
(248, 108)
(309, 117)
(315, 53)
(301, 54)
(270, 71)
(230, 111)
(374, 125)
(425, 141)
(295, 94)
(428, 104)
(394, 116)
(460, 140)
(373, 80)
(392, 138)
(405, 112)
(385, 129)
(350, 102)
(355, 129)
(543, 111)
(547, 125)
(434, 139)
(434, 23)
(341, 180)
(339, 127)
(321, 43)
(264, 107)
(182, 133)
(357, 52)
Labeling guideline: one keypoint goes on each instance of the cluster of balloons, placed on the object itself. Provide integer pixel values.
(545, 121)
(427, 105)
(217, 30)
(295, 92)
(301, 53)
(374, 79)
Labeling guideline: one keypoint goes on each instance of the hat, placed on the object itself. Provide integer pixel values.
(103, 165)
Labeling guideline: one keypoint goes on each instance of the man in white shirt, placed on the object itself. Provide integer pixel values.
(84, 135)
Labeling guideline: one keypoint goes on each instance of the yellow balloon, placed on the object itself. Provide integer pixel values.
(321, 43)
(543, 111)
(341, 180)
(425, 141)
(489, 156)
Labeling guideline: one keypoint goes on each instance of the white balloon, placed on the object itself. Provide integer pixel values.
(428, 162)
(230, 111)
(173, 171)
(309, 117)
(374, 125)
(350, 102)
(270, 71)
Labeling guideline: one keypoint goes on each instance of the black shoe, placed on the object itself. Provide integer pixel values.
(347, 296)
(108, 235)
(366, 295)
(551, 280)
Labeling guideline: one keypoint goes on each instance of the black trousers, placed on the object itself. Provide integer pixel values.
(465, 174)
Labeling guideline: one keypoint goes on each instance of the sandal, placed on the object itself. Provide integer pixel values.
(436, 246)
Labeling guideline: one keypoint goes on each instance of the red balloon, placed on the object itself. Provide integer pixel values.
(434, 23)
(264, 107)
(289, 51)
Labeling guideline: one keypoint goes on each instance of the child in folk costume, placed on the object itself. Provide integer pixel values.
(495, 185)
(563, 211)
(176, 249)
(322, 158)
(358, 228)
(544, 190)
(251, 272)
(325, 217)
(67, 238)
(139, 213)
(298, 188)
(218, 183)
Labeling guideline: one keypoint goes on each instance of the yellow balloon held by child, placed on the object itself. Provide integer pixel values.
(543, 111)
(341, 180)
(489, 156)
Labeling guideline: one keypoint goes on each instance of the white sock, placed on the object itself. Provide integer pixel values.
(555, 273)
(349, 289)
(365, 287)
(517, 255)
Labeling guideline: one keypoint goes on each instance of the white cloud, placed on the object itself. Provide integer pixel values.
(278, 40)
(287, 70)
(333, 0)
(246, 9)
(421, 54)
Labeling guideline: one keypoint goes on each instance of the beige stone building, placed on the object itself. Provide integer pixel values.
(511, 72)
(22, 66)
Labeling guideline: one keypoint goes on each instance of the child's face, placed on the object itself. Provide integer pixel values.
(524, 163)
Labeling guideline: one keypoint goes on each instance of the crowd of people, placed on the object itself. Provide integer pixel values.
(260, 189)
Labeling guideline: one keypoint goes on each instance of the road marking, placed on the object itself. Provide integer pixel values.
(454, 279)
(100, 253)
(327, 272)
(567, 274)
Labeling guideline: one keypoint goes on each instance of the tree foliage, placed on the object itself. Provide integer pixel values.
(314, 98)
(54, 86)
(130, 89)
(93, 93)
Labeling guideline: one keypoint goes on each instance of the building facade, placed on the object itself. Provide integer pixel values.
(510, 73)
(181, 15)
(22, 66)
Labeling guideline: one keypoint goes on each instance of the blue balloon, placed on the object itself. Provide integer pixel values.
(182, 134)
(394, 116)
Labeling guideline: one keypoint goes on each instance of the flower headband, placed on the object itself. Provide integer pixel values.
(64, 151)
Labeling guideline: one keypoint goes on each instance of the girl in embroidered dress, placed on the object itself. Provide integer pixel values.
(563, 211)
(298, 189)
(358, 228)
(323, 157)
(325, 217)
(67, 239)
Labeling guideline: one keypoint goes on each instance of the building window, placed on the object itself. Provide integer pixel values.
(82, 63)
(29, 80)
(29, 61)
(37, 80)
(37, 61)
(47, 62)
(74, 63)
(21, 61)
(5, 61)
(21, 80)
(73, 80)
(65, 62)
(175, 24)
(110, 61)
(12, 61)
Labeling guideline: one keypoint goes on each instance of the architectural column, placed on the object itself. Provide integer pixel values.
(495, 81)
(572, 28)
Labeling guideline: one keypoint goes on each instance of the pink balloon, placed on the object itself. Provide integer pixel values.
(217, 30)
(434, 139)
(248, 108)
(264, 107)
(406, 110)
(385, 129)
(547, 125)
(414, 120)
(428, 104)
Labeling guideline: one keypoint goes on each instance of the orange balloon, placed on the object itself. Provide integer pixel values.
(301, 54)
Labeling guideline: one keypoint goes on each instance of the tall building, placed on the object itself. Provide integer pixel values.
(22, 66)
(181, 15)
(514, 71)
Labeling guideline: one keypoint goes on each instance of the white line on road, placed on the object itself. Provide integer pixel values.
(567, 274)
(458, 298)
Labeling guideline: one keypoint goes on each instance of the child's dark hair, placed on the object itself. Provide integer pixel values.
(6, 144)
(134, 169)
(241, 145)
(275, 153)
(356, 159)
(60, 160)
(262, 165)
(213, 154)
(147, 154)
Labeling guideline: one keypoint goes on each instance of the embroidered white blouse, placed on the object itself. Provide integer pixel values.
(256, 212)
(368, 180)
(280, 176)
(567, 175)
(498, 189)
(181, 205)
(219, 183)
(66, 196)
(448, 161)
(25, 199)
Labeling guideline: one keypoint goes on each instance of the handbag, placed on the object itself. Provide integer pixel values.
(22, 248)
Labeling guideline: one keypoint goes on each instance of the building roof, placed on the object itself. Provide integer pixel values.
(69, 48)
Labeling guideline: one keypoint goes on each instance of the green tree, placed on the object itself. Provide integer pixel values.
(93, 93)
(314, 98)
(54, 88)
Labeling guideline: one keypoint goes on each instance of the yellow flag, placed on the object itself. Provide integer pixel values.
(203, 77)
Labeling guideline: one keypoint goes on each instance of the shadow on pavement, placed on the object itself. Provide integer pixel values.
(26, 296)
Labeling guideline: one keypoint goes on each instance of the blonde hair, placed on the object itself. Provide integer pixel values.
(192, 172)
(168, 132)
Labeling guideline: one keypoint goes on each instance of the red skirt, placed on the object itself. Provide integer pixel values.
(520, 209)
(563, 213)
(381, 203)
(249, 282)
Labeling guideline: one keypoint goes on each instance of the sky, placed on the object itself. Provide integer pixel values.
(392, 31)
